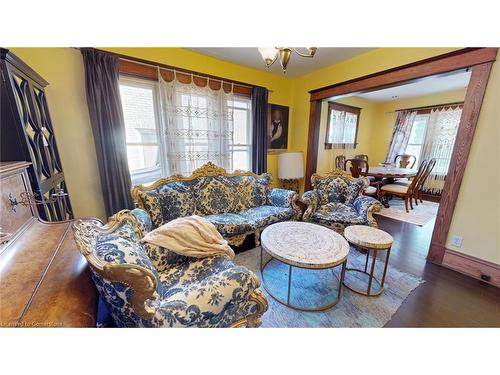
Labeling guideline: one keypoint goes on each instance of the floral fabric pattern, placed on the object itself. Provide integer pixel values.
(231, 203)
(230, 224)
(281, 197)
(266, 215)
(331, 213)
(215, 195)
(168, 202)
(336, 202)
(209, 292)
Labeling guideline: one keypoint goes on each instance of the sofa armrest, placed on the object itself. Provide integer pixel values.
(284, 198)
(367, 206)
(311, 200)
(144, 218)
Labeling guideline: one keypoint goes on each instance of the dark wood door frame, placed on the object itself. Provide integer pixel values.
(479, 60)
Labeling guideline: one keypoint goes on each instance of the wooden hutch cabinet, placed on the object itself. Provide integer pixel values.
(27, 134)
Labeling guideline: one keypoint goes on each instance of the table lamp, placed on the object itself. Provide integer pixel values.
(291, 169)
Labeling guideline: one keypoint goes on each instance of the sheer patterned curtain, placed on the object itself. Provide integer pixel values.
(400, 134)
(342, 131)
(197, 126)
(442, 128)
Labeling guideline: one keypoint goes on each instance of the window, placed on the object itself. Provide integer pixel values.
(139, 103)
(146, 153)
(241, 147)
(417, 137)
(342, 128)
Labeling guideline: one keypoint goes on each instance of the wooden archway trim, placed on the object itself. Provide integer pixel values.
(480, 60)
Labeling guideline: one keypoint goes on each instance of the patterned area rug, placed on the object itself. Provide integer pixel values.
(420, 215)
(316, 287)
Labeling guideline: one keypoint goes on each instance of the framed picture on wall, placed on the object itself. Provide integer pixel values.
(277, 131)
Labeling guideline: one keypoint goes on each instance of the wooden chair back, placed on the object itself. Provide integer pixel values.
(357, 167)
(405, 160)
(427, 172)
(339, 162)
(362, 156)
(421, 170)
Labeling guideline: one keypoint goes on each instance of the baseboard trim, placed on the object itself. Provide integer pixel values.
(472, 266)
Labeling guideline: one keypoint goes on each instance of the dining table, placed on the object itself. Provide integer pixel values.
(390, 173)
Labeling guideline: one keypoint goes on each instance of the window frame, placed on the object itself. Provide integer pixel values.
(249, 129)
(130, 81)
(419, 113)
(342, 108)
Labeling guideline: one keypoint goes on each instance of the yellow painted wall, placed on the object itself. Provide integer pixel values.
(375, 125)
(477, 212)
(478, 208)
(280, 86)
(370, 62)
(63, 69)
(326, 158)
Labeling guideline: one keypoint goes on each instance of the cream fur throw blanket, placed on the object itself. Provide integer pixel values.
(192, 236)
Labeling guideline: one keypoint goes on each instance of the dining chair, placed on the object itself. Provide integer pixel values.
(405, 160)
(361, 156)
(404, 191)
(339, 162)
(417, 194)
(359, 168)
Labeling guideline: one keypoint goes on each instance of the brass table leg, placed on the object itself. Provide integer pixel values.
(290, 273)
(371, 274)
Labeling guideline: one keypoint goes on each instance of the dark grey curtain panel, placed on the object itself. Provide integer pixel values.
(108, 127)
(259, 138)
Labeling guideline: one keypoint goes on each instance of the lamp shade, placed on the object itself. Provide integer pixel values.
(291, 165)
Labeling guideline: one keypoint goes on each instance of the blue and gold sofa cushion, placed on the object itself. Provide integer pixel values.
(238, 203)
(336, 201)
(168, 201)
(185, 292)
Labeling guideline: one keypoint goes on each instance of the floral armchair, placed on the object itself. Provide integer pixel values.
(148, 286)
(238, 203)
(336, 201)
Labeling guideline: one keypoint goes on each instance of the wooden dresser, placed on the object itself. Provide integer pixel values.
(44, 280)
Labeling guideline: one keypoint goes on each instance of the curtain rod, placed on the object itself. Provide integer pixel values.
(154, 64)
(183, 71)
(428, 107)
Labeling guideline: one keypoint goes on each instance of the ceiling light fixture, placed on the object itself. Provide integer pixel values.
(270, 55)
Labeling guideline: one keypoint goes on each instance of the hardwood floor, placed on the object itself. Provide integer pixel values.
(447, 298)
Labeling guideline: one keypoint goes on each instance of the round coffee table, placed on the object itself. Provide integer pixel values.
(303, 245)
(369, 239)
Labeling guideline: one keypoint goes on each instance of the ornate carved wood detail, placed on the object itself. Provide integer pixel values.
(29, 134)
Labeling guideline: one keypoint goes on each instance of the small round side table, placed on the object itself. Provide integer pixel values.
(303, 245)
(372, 240)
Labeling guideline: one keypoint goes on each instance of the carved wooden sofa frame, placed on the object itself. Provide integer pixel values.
(211, 170)
(139, 279)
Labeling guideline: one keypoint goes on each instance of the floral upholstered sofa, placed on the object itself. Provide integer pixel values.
(147, 286)
(238, 203)
(336, 201)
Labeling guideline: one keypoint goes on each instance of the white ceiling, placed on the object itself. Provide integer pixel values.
(297, 66)
(429, 86)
